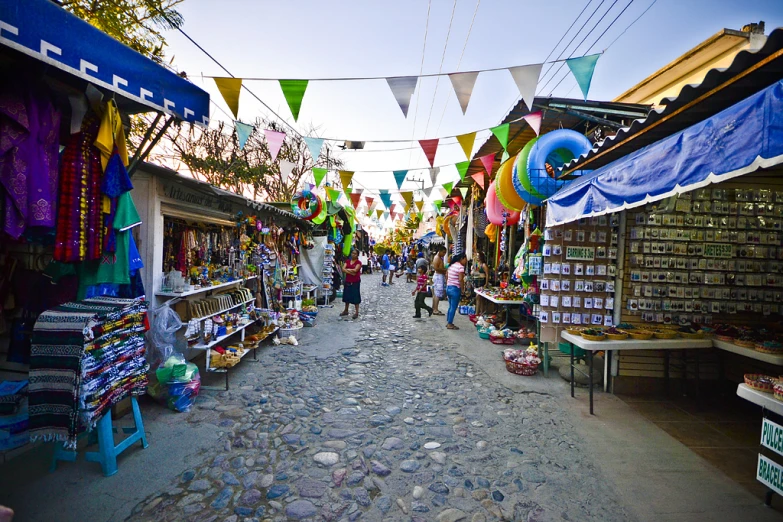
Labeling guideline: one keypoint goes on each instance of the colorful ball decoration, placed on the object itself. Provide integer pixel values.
(504, 187)
(306, 205)
(495, 209)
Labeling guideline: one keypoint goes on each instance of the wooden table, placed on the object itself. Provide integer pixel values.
(629, 344)
(504, 303)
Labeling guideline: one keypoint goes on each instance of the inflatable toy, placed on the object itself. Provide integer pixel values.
(504, 187)
(306, 205)
(495, 209)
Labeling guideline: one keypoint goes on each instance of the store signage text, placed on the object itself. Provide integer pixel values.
(770, 474)
(196, 199)
(578, 253)
(772, 436)
(718, 250)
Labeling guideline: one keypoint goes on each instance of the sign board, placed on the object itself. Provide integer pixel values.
(772, 436)
(718, 250)
(193, 198)
(770, 474)
(534, 264)
(580, 253)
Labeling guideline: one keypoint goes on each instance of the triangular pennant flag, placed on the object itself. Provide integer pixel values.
(463, 87)
(434, 174)
(504, 157)
(501, 133)
(428, 193)
(420, 215)
(462, 168)
(355, 199)
(386, 198)
(370, 201)
(448, 186)
(463, 191)
(319, 174)
(274, 141)
(526, 78)
(402, 88)
(478, 177)
(437, 204)
(466, 142)
(487, 161)
(430, 148)
(333, 194)
(534, 120)
(582, 68)
(230, 88)
(345, 178)
(386, 215)
(408, 198)
(286, 169)
(378, 213)
(314, 145)
(443, 192)
(294, 91)
(419, 205)
(399, 177)
(243, 133)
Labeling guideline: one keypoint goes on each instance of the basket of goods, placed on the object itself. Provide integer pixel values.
(593, 334)
(522, 361)
(777, 391)
(473, 318)
(640, 335)
(290, 326)
(504, 336)
(771, 347)
(573, 330)
(483, 332)
(762, 383)
(664, 333)
(690, 332)
(613, 334)
(726, 332)
(747, 339)
(626, 326)
(525, 336)
(308, 320)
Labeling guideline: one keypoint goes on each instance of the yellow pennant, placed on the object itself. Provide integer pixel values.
(466, 142)
(408, 197)
(230, 88)
(345, 178)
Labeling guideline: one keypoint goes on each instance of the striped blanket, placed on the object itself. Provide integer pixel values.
(64, 363)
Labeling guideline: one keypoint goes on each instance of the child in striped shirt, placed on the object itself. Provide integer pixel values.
(421, 292)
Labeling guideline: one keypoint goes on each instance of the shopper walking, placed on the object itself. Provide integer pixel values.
(386, 267)
(421, 293)
(352, 268)
(438, 280)
(455, 285)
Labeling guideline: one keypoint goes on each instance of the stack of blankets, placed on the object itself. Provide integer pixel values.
(86, 356)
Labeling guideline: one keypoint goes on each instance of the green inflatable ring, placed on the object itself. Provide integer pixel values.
(522, 174)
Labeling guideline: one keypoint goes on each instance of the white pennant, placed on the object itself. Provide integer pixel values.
(434, 174)
(402, 88)
(286, 169)
(526, 78)
(463, 87)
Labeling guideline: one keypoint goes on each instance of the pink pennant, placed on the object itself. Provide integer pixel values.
(534, 120)
(457, 200)
(478, 177)
(274, 141)
(487, 161)
(369, 201)
(430, 147)
(355, 199)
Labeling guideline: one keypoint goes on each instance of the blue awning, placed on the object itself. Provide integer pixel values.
(49, 33)
(741, 139)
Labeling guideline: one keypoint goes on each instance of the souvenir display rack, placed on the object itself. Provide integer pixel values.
(327, 284)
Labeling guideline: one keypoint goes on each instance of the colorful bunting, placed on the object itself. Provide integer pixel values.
(319, 174)
(448, 186)
(534, 120)
(230, 88)
(462, 168)
(286, 169)
(408, 198)
(434, 174)
(419, 205)
(333, 194)
(501, 133)
(526, 78)
(463, 191)
(403, 88)
(420, 215)
(314, 145)
(386, 198)
(370, 201)
(430, 148)
(437, 204)
(399, 177)
(243, 133)
(274, 141)
(463, 87)
(487, 161)
(294, 91)
(345, 178)
(504, 157)
(478, 177)
(466, 142)
(355, 198)
(378, 214)
(582, 68)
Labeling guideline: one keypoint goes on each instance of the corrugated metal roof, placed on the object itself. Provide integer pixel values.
(750, 72)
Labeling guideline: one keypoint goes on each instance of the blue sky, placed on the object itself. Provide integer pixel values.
(308, 38)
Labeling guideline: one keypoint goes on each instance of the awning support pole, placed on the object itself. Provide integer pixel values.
(141, 156)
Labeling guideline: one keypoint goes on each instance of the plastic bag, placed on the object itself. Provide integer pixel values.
(177, 396)
(163, 335)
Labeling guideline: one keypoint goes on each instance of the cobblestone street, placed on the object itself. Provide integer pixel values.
(381, 419)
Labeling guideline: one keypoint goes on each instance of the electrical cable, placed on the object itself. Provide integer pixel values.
(421, 69)
(440, 69)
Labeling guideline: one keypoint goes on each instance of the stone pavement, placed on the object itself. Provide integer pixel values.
(382, 419)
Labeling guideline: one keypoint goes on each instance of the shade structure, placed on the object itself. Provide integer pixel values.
(48, 33)
(740, 139)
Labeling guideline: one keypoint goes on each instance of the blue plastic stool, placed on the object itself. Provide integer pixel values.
(107, 451)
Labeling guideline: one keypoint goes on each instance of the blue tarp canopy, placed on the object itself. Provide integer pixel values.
(430, 237)
(43, 30)
(741, 139)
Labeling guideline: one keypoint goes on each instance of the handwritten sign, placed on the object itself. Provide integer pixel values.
(580, 253)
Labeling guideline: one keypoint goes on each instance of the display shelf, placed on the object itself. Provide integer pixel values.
(204, 289)
(222, 311)
(765, 400)
(221, 338)
(247, 351)
(777, 360)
